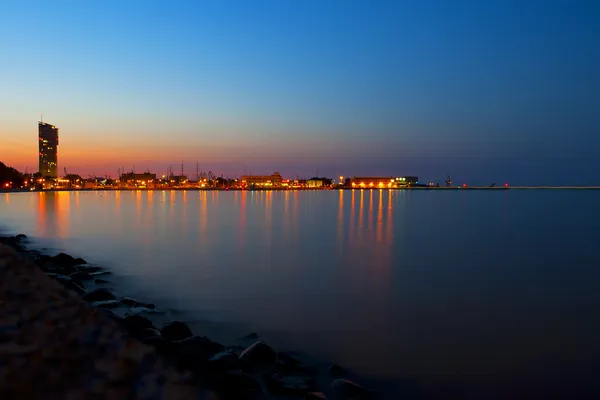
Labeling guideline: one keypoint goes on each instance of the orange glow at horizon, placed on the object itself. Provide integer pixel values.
(107, 146)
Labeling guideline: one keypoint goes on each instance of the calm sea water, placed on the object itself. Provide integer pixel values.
(482, 289)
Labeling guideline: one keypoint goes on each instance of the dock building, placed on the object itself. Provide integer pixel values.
(383, 182)
(274, 180)
(145, 179)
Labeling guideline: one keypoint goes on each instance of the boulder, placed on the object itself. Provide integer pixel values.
(287, 358)
(286, 364)
(141, 310)
(55, 269)
(136, 324)
(150, 337)
(21, 236)
(315, 396)
(107, 304)
(345, 389)
(192, 353)
(64, 278)
(128, 301)
(176, 330)
(19, 248)
(80, 261)
(295, 383)
(237, 385)
(12, 242)
(89, 268)
(111, 314)
(81, 276)
(51, 267)
(74, 287)
(68, 283)
(226, 360)
(99, 295)
(67, 260)
(258, 355)
(149, 332)
(98, 273)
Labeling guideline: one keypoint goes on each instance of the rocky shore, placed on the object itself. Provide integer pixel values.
(62, 337)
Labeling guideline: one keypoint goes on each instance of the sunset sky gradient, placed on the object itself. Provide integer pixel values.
(488, 91)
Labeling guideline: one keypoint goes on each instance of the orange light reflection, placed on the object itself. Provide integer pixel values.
(379, 226)
(340, 221)
(242, 229)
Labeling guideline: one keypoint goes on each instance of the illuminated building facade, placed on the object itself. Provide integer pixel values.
(131, 177)
(314, 183)
(178, 180)
(383, 182)
(139, 180)
(48, 145)
(262, 180)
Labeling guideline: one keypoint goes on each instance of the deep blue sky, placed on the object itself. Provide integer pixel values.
(483, 90)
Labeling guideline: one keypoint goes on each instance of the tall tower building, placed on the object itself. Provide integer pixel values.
(48, 158)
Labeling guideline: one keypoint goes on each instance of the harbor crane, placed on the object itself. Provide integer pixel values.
(448, 181)
(203, 175)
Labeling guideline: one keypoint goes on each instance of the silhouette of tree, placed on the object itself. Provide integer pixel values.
(8, 175)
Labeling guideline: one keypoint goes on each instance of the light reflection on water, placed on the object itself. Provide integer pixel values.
(389, 283)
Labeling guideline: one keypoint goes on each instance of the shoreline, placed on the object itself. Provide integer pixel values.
(255, 371)
(194, 189)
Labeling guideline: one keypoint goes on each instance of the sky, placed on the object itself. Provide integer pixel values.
(486, 91)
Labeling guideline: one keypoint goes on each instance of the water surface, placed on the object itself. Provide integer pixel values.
(488, 289)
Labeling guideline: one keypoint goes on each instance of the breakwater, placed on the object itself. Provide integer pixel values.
(61, 339)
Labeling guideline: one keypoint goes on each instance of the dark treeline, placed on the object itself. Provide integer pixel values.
(10, 176)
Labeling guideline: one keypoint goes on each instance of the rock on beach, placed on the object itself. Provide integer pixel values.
(345, 389)
(259, 355)
(101, 294)
(67, 260)
(176, 330)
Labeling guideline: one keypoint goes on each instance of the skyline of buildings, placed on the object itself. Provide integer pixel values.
(48, 140)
